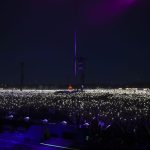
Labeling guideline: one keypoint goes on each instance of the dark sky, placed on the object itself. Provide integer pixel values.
(113, 35)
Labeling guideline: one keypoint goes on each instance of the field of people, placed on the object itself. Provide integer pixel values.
(104, 118)
(105, 104)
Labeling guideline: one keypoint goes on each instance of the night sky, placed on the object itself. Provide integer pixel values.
(114, 36)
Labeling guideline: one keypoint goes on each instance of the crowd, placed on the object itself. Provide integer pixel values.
(106, 105)
(104, 114)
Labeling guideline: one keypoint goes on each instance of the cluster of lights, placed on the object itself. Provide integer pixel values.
(108, 104)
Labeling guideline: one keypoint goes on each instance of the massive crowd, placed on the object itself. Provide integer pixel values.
(123, 112)
(106, 105)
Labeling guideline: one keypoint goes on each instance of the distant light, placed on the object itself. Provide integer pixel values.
(64, 122)
(70, 87)
(87, 138)
(26, 119)
(57, 146)
(45, 121)
(10, 117)
(86, 124)
(108, 126)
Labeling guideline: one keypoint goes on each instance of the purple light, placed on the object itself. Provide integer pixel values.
(10, 117)
(26, 119)
(101, 124)
(45, 121)
(102, 12)
(86, 124)
(75, 54)
(64, 123)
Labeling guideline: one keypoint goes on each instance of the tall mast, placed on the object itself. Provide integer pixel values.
(75, 54)
(21, 75)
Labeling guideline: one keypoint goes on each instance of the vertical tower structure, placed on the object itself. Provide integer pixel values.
(21, 75)
(79, 65)
(75, 54)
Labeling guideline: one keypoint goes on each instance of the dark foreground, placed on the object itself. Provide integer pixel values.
(96, 135)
